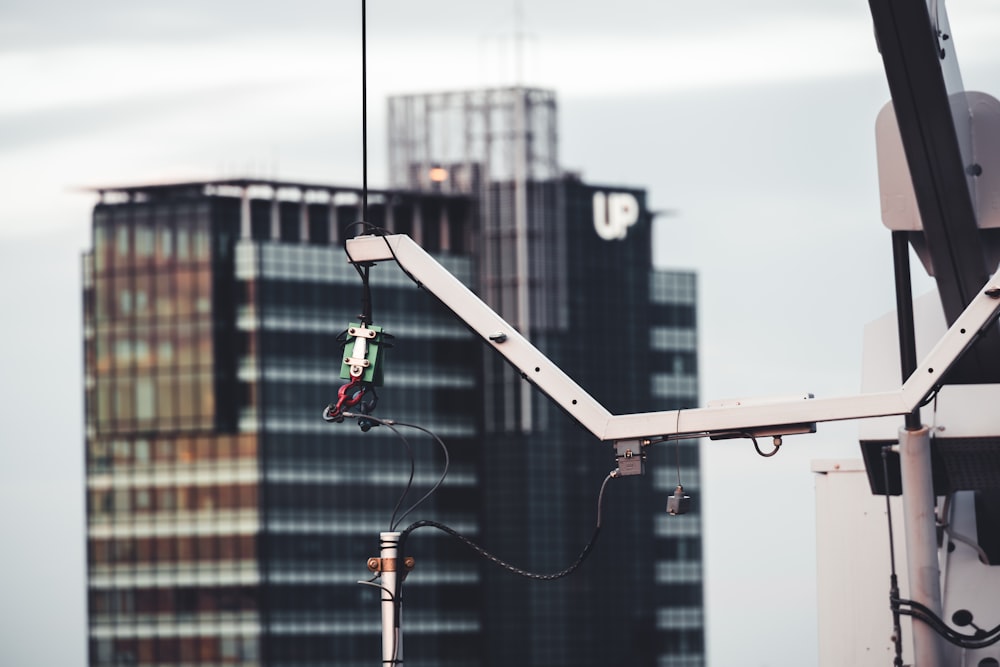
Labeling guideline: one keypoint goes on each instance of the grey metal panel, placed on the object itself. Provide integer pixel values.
(912, 52)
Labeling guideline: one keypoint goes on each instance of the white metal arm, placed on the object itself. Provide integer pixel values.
(551, 380)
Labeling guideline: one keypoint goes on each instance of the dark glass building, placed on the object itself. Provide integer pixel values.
(229, 524)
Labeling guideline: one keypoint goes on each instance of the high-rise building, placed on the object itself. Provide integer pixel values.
(229, 524)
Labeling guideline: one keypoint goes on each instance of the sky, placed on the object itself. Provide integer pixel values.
(752, 122)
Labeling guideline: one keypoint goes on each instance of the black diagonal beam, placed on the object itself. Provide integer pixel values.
(911, 56)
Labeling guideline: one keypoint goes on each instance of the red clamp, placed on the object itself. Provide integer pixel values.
(348, 396)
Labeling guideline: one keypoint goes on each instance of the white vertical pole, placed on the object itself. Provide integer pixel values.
(392, 567)
(921, 540)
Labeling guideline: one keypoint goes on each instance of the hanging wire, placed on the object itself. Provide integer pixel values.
(404, 534)
(777, 445)
(364, 112)
(897, 631)
(391, 424)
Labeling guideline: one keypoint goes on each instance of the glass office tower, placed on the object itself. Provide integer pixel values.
(228, 524)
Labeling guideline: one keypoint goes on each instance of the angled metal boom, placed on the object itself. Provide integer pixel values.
(748, 416)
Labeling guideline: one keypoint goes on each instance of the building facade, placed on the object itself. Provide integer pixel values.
(229, 524)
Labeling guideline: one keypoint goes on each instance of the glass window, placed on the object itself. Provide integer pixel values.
(228, 497)
(206, 398)
(123, 551)
(224, 447)
(186, 397)
(203, 342)
(165, 244)
(141, 351)
(102, 294)
(100, 243)
(122, 451)
(122, 396)
(144, 550)
(145, 398)
(206, 498)
(248, 496)
(104, 386)
(164, 351)
(143, 291)
(104, 650)
(100, 553)
(100, 503)
(123, 352)
(185, 549)
(143, 239)
(166, 501)
(189, 646)
(183, 244)
(143, 501)
(122, 240)
(164, 294)
(123, 501)
(205, 449)
(146, 651)
(228, 648)
(141, 451)
(185, 342)
(124, 302)
(165, 396)
(185, 450)
(249, 648)
(248, 446)
(164, 451)
(185, 498)
(209, 649)
(184, 294)
(207, 548)
(100, 457)
(165, 547)
(203, 291)
(247, 547)
(202, 245)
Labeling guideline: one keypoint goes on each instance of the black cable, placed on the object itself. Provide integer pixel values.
(897, 630)
(389, 423)
(444, 473)
(413, 467)
(777, 445)
(495, 559)
(364, 112)
(981, 639)
(363, 269)
(930, 397)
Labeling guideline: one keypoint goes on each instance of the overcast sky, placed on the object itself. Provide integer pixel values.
(753, 121)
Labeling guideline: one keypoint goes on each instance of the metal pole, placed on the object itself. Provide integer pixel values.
(392, 636)
(904, 316)
(921, 539)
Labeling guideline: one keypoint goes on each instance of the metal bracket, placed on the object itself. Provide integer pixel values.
(362, 361)
(630, 457)
(379, 565)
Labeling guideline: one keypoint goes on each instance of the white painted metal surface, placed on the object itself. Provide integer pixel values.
(852, 565)
(921, 539)
(549, 378)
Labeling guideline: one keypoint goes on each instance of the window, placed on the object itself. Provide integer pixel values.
(122, 240)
